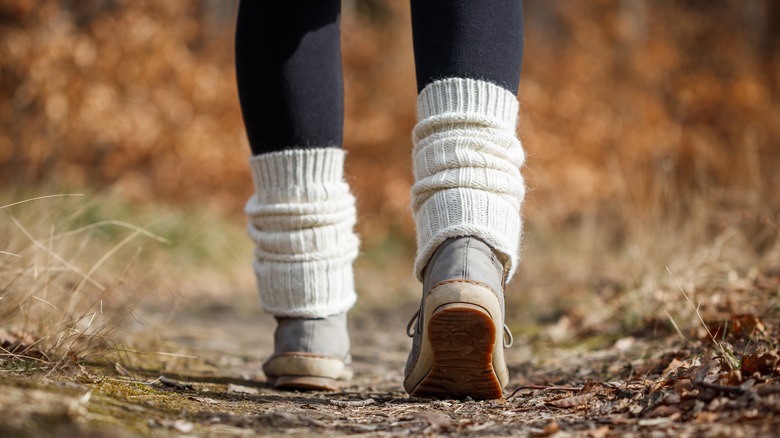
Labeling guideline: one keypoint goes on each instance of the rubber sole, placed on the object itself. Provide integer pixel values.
(306, 372)
(306, 383)
(462, 339)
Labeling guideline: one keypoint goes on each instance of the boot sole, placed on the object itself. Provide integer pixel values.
(306, 372)
(463, 352)
(305, 383)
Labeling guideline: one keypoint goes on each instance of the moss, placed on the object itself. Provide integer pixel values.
(132, 405)
(123, 407)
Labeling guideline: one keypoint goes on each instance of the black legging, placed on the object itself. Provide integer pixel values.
(288, 61)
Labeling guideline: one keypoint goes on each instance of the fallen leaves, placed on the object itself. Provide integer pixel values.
(678, 387)
(766, 362)
(572, 402)
(588, 392)
(746, 325)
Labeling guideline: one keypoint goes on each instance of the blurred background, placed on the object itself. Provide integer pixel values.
(651, 128)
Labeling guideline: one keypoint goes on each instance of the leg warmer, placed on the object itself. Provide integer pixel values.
(301, 219)
(467, 160)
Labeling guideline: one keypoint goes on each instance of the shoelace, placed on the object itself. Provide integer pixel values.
(509, 340)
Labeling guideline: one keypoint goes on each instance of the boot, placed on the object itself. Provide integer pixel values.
(466, 200)
(459, 337)
(310, 353)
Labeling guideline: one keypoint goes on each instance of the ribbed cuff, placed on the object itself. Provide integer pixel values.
(468, 97)
(301, 219)
(280, 176)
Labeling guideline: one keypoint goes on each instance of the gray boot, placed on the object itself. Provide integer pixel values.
(458, 341)
(310, 353)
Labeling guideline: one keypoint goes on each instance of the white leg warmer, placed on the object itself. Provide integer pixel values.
(467, 160)
(301, 219)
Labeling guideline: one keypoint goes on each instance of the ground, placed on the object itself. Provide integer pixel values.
(210, 384)
(657, 337)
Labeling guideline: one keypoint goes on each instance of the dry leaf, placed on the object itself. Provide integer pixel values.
(682, 386)
(591, 386)
(730, 378)
(705, 417)
(745, 325)
(674, 365)
(571, 402)
(763, 363)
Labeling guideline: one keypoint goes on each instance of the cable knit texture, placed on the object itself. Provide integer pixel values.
(467, 160)
(301, 220)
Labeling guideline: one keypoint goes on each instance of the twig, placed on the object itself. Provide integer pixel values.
(724, 388)
(353, 403)
(174, 384)
(544, 388)
(767, 390)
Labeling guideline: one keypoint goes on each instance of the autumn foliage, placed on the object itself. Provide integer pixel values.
(657, 103)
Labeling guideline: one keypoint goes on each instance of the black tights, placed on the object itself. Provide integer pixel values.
(288, 61)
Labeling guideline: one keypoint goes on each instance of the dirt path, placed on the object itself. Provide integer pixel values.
(213, 386)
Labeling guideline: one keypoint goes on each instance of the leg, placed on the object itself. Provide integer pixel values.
(288, 66)
(302, 213)
(467, 193)
(468, 39)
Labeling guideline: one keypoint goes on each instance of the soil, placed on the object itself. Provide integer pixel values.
(201, 376)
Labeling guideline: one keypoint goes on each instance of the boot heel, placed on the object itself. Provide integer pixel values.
(305, 383)
(462, 337)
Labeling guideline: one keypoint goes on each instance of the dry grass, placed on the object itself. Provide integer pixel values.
(627, 264)
(71, 276)
(59, 303)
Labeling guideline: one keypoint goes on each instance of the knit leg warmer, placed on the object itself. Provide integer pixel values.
(467, 160)
(301, 219)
